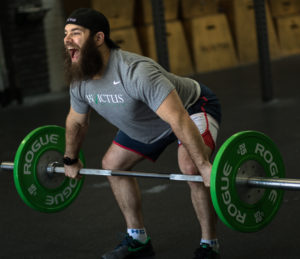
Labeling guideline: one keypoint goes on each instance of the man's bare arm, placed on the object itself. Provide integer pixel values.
(76, 127)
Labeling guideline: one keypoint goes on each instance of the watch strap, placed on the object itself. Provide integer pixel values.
(70, 161)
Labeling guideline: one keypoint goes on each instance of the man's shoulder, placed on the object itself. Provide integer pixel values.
(131, 59)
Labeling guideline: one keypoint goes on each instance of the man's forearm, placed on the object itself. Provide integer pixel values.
(190, 137)
(75, 134)
(193, 142)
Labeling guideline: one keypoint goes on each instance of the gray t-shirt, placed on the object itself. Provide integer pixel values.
(129, 93)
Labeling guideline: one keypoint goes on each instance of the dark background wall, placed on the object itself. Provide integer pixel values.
(24, 46)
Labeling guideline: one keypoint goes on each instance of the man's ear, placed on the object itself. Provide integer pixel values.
(99, 38)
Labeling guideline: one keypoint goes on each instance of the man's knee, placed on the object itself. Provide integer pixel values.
(188, 168)
(107, 162)
(117, 158)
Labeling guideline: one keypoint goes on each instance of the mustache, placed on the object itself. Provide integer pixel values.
(70, 45)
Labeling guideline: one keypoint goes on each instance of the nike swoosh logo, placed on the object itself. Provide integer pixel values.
(116, 82)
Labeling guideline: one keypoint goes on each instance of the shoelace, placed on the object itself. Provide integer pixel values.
(126, 240)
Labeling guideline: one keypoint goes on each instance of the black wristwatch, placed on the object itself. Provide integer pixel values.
(70, 161)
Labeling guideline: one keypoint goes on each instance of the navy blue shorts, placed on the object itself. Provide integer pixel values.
(207, 103)
(149, 151)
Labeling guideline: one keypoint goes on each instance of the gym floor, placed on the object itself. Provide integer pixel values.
(90, 225)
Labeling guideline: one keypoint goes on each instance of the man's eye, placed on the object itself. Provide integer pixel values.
(75, 33)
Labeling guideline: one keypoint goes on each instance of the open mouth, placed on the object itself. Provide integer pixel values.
(74, 53)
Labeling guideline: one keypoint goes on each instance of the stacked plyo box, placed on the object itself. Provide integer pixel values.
(242, 21)
(70, 5)
(209, 35)
(179, 55)
(286, 14)
(121, 19)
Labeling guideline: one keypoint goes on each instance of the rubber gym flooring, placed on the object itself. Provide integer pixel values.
(90, 225)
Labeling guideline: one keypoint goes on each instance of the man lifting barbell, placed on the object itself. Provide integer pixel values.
(151, 108)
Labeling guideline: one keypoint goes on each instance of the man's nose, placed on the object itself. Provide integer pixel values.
(67, 39)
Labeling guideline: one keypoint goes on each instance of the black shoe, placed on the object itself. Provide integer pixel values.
(206, 252)
(131, 248)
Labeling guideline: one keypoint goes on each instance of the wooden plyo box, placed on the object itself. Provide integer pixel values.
(242, 20)
(211, 43)
(120, 13)
(144, 11)
(127, 39)
(195, 8)
(289, 34)
(70, 5)
(179, 55)
(284, 7)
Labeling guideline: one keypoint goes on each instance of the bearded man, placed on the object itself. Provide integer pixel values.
(151, 107)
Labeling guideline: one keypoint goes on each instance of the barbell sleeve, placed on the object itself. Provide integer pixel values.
(270, 183)
(7, 166)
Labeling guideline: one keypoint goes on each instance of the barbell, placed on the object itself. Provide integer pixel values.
(247, 179)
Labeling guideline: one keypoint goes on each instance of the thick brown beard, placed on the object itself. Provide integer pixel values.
(89, 64)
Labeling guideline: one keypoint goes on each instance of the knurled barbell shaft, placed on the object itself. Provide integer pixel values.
(52, 168)
(262, 182)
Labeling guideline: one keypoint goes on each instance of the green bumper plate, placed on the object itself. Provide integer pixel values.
(240, 150)
(36, 188)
